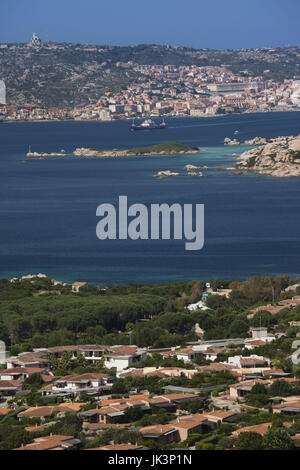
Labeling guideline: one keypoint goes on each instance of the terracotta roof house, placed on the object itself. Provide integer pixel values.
(131, 373)
(178, 398)
(178, 372)
(190, 424)
(110, 414)
(160, 433)
(117, 356)
(255, 343)
(76, 286)
(184, 354)
(276, 373)
(183, 426)
(290, 406)
(91, 352)
(56, 442)
(272, 309)
(216, 367)
(22, 373)
(115, 447)
(219, 416)
(133, 398)
(41, 427)
(240, 389)
(5, 411)
(259, 428)
(46, 411)
(29, 359)
(112, 410)
(212, 353)
(10, 388)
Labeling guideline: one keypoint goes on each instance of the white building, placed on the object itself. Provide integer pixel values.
(295, 96)
(260, 332)
(249, 362)
(75, 384)
(260, 337)
(197, 306)
(122, 357)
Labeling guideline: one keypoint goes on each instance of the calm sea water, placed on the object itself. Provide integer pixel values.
(48, 206)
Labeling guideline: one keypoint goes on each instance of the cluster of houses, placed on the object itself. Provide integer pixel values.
(120, 361)
(110, 410)
(290, 303)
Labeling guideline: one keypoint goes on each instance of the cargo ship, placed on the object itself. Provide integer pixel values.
(147, 124)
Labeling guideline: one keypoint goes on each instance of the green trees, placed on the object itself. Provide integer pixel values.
(167, 147)
(277, 439)
(132, 414)
(263, 318)
(34, 382)
(239, 328)
(81, 362)
(58, 320)
(117, 435)
(204, 446)
(193, 406)
(280, 388)
(249, 440)
(69, 425)
(12, 437)
(119, 387)
(175, 322)
(274, 439)
(144, 315)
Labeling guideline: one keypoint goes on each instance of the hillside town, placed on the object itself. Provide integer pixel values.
(213, 388)
(174, 91)
(193, 91)
(152, 89)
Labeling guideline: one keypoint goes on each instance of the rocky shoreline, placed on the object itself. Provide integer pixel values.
(44, 154)
(278, 157)
(190, 170)
(86, 152)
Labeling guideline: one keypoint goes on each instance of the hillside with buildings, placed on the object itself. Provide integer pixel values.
(197, 365)
(46, 80)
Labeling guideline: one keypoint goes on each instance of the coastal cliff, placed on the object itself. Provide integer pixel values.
(279, 157)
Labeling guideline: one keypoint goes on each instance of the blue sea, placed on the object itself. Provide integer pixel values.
(48, 206)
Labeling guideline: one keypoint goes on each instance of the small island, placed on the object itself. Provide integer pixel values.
(164, 148)
(278, 157)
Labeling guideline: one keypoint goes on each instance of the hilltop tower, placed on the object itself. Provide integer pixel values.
(35, 40)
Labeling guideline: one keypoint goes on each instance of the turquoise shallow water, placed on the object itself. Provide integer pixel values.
(48, 207)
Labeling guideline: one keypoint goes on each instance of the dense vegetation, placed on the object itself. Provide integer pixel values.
(164, 147)
(35, 313)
